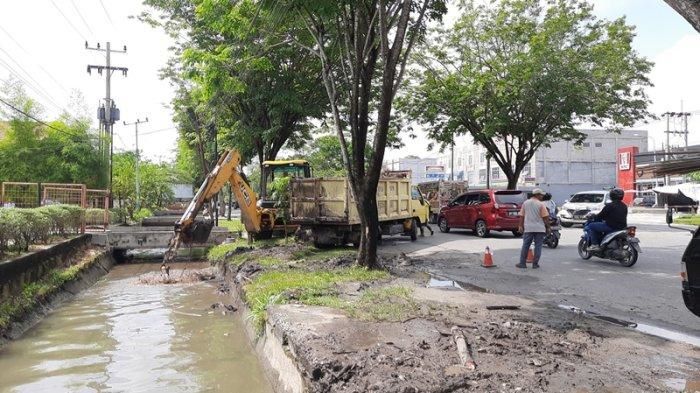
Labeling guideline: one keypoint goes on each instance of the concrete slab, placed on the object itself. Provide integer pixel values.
(130, 238)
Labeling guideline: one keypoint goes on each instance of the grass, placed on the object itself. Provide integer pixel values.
(376, 304)
(279, 287)
(35, 292)
(233, 225)
(688, 220)
(218, 253)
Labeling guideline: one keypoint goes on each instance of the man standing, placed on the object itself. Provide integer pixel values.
(534, 225)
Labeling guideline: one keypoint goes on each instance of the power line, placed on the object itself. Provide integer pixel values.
(39, 121)
(81, 17)
(107, 13)
(28, 84)
(19, 45)
(68, 20)
(37, 84)
(159, 130)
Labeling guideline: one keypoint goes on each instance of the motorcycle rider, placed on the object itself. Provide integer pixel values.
(550, 205)
(612, 218)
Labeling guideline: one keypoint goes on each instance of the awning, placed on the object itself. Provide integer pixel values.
(690, 190)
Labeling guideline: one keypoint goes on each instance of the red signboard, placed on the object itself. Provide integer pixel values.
(626, 173)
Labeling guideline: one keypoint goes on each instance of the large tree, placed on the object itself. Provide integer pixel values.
(256, 93)
(520, 74)
(689, 9)
(363, 47)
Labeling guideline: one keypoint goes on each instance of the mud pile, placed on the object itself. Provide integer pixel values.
(178, 276)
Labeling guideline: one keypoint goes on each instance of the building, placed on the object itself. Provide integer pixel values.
(562, 169)
(422, 169)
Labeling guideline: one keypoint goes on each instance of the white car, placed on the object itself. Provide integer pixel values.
(574, 210)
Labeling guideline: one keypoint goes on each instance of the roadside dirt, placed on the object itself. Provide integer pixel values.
(532, 348)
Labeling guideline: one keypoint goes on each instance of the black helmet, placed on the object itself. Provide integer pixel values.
(616, 194)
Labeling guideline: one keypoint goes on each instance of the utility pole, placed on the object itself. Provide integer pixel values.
(684, 132)
(138, 158)
(109, 113)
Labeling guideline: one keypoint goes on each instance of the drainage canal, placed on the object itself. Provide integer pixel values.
(125, 335)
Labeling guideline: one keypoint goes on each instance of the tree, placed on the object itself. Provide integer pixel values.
(258, 94)
(322, 154)
(155, 183)
(362, 47)
(65, 151)
(689, 9)
(520, 75)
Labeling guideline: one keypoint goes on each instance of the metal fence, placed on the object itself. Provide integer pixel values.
(28, 195)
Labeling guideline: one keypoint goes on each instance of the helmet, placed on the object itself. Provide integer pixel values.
(616, 194)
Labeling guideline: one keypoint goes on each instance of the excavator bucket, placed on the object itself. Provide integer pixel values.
(199, 231)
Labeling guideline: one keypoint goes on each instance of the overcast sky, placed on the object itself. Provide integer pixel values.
(43, 41)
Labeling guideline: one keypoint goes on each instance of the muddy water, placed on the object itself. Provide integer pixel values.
(121, 336)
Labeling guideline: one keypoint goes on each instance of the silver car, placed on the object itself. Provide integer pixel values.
(575, 210)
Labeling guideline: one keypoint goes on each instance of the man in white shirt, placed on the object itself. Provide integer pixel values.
(534, 225)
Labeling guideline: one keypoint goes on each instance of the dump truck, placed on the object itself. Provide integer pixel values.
(326, 208)
(439, 193)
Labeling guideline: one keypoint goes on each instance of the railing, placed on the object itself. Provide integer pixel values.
(28, 195)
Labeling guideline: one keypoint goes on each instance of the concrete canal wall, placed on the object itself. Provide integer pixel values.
(17, 272)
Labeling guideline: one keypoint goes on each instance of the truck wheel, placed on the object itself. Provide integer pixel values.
(481, 229)
(414, 230)
(442, 224)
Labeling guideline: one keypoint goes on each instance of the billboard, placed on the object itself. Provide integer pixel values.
(435, 172)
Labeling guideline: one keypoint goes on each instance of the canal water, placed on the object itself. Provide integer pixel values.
(123, 336)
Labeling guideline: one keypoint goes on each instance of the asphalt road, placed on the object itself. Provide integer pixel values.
(648, 292)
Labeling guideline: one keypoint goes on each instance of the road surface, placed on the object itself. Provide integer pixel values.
(649, 292)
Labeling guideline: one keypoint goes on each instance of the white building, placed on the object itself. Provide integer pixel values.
(422, 169)
(562, 168)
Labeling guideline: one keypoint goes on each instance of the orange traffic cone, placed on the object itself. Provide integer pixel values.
(530, 255)
(488, 259)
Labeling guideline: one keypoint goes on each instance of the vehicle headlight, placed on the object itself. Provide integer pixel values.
(564, 213)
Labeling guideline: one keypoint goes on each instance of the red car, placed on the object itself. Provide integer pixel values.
(483, 211)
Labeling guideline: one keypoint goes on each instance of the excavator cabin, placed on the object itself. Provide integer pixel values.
(283, 168)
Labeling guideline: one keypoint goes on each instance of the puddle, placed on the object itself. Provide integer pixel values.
(640, 327)
(677, 384)
(445, 284)
(669, 334)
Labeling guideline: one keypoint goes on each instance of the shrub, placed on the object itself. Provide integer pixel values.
(20, 228)
(141, 214)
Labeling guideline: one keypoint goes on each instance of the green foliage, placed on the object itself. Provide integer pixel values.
(324, 155)
(520, 74)
(312, 253)
(20, 228)
(142, 213)
(251, 91)
(155, 184)
(31, 152)
(270, 287)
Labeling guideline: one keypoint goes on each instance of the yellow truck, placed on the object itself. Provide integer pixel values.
(325, 206)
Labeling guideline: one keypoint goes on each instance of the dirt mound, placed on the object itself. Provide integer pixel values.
(180, 276)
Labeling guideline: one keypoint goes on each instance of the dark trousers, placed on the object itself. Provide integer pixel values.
(528, 238)
(597, 230)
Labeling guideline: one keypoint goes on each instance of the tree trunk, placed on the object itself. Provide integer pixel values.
(369, 240)
(690, 10)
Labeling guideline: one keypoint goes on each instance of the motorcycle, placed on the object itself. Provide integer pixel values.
(552, 239)
(621, 246)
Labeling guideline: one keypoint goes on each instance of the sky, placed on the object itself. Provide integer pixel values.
(43, 42)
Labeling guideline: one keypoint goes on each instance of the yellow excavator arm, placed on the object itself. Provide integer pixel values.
(226, 169)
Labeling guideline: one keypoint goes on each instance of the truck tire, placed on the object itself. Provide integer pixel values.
(414, 230)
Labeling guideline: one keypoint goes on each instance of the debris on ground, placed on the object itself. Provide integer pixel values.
(177, 276)
(225, 308)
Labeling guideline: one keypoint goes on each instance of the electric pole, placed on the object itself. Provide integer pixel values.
(138, 158)
(684, 132)
(109, 113)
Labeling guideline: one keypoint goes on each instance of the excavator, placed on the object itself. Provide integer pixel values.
(259, 217)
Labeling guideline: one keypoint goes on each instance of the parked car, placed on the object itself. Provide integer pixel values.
(574, 210)
(483, 211)
(644, 201)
